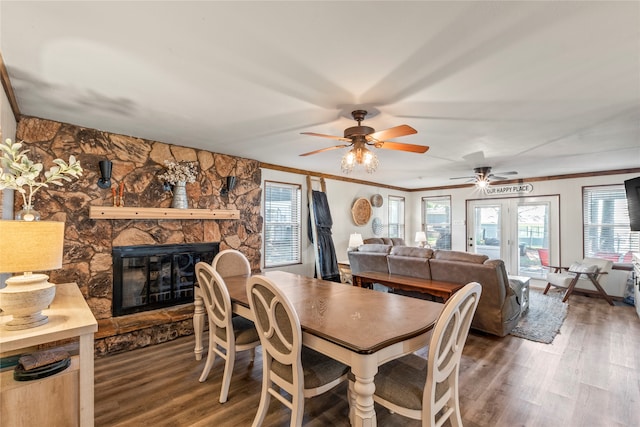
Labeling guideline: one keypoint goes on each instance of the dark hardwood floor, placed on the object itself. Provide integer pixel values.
(589, 376)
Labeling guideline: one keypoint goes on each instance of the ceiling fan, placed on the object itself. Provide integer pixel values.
(482, 176)
(359, 137)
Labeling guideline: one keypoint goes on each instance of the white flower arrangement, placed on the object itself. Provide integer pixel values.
(179, 172)
(18, 172)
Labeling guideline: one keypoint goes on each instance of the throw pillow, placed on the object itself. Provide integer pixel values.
(577, 267)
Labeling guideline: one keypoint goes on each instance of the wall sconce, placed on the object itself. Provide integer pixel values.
(105, 174)
(231, 184)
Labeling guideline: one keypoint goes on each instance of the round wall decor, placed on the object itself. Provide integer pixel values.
(361, 211)
(376, 200)
(376, 225)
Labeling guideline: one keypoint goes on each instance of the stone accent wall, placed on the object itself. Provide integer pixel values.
(136, 162)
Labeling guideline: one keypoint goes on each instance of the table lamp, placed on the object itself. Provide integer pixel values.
(355, 240)
(421, 238)
(27, 246)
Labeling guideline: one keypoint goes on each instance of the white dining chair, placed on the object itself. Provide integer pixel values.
(286, 363)
(228, 334)
(231, 262)
(427, 390)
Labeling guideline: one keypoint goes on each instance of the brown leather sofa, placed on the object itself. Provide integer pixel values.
(499, 307)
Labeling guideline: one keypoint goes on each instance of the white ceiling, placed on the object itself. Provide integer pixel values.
(543, 88)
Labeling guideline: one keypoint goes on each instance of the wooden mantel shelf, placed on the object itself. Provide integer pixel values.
(111, 212)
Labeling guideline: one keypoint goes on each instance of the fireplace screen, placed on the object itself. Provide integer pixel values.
(154, 276)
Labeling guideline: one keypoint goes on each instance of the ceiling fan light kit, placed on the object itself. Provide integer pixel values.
(359, 137)
(483, 177)
(360, 155)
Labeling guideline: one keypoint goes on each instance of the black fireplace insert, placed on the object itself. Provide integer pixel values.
(148, 277)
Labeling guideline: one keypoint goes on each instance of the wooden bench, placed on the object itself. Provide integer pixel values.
(436, 288)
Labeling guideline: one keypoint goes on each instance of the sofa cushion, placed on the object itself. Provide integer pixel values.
(460, 256)
(374, 247)
(398, 241)
(409, 261)
(369, 257)
(498, 309)
(395, 241)
(377, 241)
(412, 252)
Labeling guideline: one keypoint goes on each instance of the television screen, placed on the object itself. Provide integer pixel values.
(632, 187)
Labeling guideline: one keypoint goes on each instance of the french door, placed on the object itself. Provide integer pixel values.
(521, 231)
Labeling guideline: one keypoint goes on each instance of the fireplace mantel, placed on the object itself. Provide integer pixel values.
(111, 212)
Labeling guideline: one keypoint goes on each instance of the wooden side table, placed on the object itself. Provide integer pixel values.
(524, 281)
(66, 396)
(345, 272)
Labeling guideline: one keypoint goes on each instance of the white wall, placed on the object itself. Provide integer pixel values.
(7, 130)
(341, 196)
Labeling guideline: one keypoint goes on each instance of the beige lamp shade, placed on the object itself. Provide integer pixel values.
(355, 240)
(30, 246)
(421, 236)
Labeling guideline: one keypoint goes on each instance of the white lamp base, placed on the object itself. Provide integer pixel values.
(24, 298)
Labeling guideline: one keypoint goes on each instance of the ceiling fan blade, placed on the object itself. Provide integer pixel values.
(389, 145)
(322, 135)
(507, 173)
(393, 132)
(463, 177)
(324, 149)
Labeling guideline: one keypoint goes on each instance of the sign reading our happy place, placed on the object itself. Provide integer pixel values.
(497, 190)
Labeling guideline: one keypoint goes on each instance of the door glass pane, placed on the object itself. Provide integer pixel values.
(533, 240)
(487, 231)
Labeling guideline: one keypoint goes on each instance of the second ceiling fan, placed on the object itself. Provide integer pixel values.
(359, 137)
(482, 176)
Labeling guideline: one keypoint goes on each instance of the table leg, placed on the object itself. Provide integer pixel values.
(198, 321)
(362, 412)
(86, 380)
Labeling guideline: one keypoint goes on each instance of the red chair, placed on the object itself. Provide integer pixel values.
(543, 254)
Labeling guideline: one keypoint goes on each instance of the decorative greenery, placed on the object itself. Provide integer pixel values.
(18, 172)
(179, 172)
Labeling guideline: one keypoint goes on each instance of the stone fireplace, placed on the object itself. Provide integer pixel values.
(148, 277)
(89, 242)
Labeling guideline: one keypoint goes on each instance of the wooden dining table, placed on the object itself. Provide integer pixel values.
(358, 327)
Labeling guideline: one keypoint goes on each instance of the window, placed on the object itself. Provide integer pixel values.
(396, 216)
(281, 224)
(436, 221)
(607, 231)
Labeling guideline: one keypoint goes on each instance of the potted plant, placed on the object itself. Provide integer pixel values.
(19, 173)
(178, 174)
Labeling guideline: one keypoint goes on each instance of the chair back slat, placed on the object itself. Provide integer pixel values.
(231, 262)
(440, 396)
(216, 298)
(276, 321)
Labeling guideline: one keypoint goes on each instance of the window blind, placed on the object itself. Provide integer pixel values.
(607, 231)
(436, 221)
(282, 228)
(396, 216)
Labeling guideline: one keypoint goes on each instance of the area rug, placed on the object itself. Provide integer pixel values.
(544, 319)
